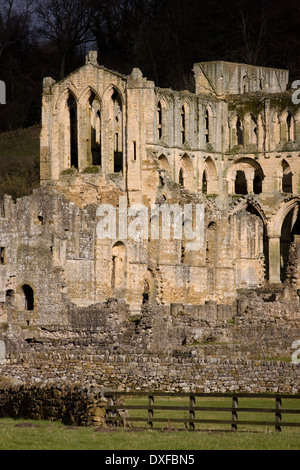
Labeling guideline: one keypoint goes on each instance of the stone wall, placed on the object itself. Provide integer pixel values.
(245, 347)
(72, 405)
(176, 371)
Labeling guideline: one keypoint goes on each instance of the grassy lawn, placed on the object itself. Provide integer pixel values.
(41, 435)
(45, 435)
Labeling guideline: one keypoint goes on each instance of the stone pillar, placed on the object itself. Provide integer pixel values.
(274, 259)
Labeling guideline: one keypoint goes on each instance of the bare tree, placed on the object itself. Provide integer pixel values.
(15, 17)
(67, 24)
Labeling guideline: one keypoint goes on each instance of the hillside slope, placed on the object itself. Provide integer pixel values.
(19, 161)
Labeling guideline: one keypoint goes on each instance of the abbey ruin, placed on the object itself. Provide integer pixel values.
(78, 306)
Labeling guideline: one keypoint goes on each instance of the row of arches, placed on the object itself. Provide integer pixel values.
(243, 130)
(185, 125)
(90, 128)
(251, 129)
(279, 233)
(284, 228)
(244, 176)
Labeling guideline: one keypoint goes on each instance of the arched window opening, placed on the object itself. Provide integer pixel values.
(181, 177)
(182, 125)
(95, 129)
(252, 210)
(118, 132)
(204, 182)
(253, 131)
(164, 164)
(239, 131)
(290, 127)
(9, 297)
(290, 228)
(257, 182)
(72, 107)
(159, 121)
(206, 127)
(28, 297)
(287, 177)
(146, 292)
(119, 274)
(245, 84)
(240, 183)
(185, 176)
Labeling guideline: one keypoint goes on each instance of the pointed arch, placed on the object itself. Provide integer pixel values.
(275, 136)
(287, 126)
(290, 124)
(286, 177)
(208, 124)
(210, 177)
(112, 148)
(90, 103)
(286, 225)
(162, 109)
(186, 172)
(239, 131)
(73, 123)
(251, 126)
(66, 137)
(236, 130)
(183, 125)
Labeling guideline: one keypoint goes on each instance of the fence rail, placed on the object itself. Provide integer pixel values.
(118, 413)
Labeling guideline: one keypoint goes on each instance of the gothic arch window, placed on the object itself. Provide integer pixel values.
(164, 163)
(185, 175)
(9, 297)
(207, 136)
(28, 297)
(182, 176)
(290, 126)
(146, 292)
(276, 128)
(204, 182)
(159, 120)
(253, 130)
(119, 262)
(183, 125)
(72, 108)
(117, 132)
(245, 84)
(239, 131)
(95, 129)
(209, 177)
(287, 177)
(289, 229)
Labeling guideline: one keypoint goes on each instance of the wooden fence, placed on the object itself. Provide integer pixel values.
(120, 413)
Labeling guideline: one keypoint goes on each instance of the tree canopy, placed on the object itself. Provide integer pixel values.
(164, 38)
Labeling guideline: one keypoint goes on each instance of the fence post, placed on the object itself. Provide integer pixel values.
(278, 407)
(111, 402)
(235, 403)
(192, 412)
(150, 411)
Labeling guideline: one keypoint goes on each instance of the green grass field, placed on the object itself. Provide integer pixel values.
(41, 435)
(166, 435)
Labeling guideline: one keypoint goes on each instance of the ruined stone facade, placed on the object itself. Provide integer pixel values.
(231, 148)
